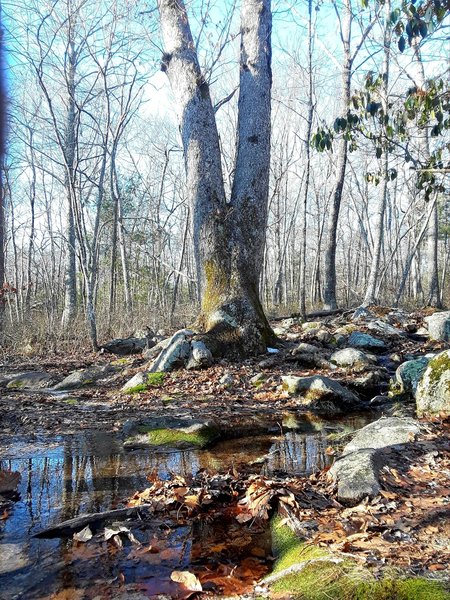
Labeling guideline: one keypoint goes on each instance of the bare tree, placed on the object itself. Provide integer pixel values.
(229, 236)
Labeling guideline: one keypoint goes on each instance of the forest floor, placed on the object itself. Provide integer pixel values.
(406, 527)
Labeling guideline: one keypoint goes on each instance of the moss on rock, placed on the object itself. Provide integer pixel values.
(345, 580)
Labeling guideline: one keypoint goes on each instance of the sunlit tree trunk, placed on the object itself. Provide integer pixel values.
(229, 237)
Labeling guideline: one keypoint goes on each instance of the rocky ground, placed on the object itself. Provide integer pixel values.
(388, 504)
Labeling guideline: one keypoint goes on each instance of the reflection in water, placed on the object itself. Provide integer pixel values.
(91, 473)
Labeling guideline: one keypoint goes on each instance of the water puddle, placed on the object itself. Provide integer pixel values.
(68, 476)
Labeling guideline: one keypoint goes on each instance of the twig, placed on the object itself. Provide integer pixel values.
(298, 567)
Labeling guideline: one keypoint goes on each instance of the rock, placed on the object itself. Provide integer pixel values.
(170, 433)
(433, 390)
(384, 328)
(308, 325)
(269, 363)
(139, 379)
(351, 357)
(126, 346)
(304, 348)
(422, 331)
(310, 360)
(357, 471)
(31, 380)
(9, 480)
(12, 558)
(323, 336)
(227, 380)
(200, 357)
(385, 432)
(380, 400)
(339, 340)
(409, 374)
(362, 314)
(279, 331)
(371, 381)
(363, 340)
(175, 354)
(439, 326)
(258, 379)
(84, 377)
(288, 323)
(320, 393)
(156, 350)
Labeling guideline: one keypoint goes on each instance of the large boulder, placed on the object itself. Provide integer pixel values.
(200, 357)
(176, 352)
(358, 339)
(320, 393)
(433, 390)
(31, 380)
(384, 328)
(357, 470)
(439, 326)
(351, 358)
(409, 373)
(168, 433)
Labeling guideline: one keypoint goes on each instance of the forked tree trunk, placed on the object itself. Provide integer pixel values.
(229, 236)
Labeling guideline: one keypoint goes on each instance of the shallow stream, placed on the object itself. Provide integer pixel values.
(63, 477)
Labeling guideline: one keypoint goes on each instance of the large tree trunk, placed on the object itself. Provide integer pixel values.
(229, 237)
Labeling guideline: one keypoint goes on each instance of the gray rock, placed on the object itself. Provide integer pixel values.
(175, 354)
(362, 314)
(287, 323)
(323, 336)
(156, 350)
(84, 377)
(258, 379)
(339, 340)
(410, 373)
(357, 476)
(279, 331)
(227, 380)
(439, 326)
(320, 393)
(359, 339)
(139, 379)
(168, 433)
(384, 328)
(304, 348)
(12, 558)
(308, 325)
(351, 357)
(357, 471)
(31, 380)
(387, 431)
(126, 346)
(200, 357)
(433, 390)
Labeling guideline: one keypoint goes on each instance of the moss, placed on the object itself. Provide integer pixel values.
(141, 387)
(156, 379)
(121, 361)
(178, 438)
(70, 401)
(17, 384)
(438, 366)
(343, 581)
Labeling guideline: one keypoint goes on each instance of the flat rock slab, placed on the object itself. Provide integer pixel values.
(31, 380)
(357, 471)
(351, 357)
(84, 377)
(167, 433)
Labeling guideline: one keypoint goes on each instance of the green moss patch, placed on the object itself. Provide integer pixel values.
(438, 366)
(155, 379)
(345, 580)
(191, 437)
(137, 389)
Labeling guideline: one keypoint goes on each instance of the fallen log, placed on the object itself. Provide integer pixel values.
(71, 526)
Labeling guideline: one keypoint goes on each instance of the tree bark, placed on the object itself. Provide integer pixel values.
(229, 237)
(370, 295)
(329, 288)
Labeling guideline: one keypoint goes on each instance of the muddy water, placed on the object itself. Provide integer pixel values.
(66, 477)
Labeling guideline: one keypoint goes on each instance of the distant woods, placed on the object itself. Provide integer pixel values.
(96, 233)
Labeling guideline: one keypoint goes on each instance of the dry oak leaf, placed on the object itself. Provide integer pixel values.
(187, 579)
